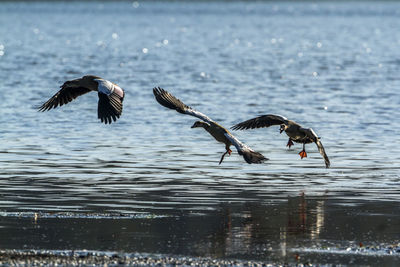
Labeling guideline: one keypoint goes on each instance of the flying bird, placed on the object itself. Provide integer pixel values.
(217, 131)
(110, 96)
(294, 130)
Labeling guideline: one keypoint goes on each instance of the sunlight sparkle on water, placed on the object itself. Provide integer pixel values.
(135, 4)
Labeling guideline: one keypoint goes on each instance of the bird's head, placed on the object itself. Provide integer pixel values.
(283, 128)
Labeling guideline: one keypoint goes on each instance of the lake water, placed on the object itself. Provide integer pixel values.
(149, 184)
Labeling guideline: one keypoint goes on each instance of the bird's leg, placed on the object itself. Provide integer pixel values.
(303, 153)
(289, 143)
(228, 151)
(222, 158)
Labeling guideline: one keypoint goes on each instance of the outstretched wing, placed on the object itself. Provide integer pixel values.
(167, 100)
(111, 96)
(261, 121)
(310, 133)
(249, 155)
(109, 107)
(64, 96)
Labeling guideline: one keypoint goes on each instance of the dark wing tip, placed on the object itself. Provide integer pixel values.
(157, 91)
(328, 164)
(245, 125)
(259, 122)
(49, 104)
(109, 108)
(327, 161)
(321, 148)
(63, 96)
(239, 126)
(167, 100)
(40, 108)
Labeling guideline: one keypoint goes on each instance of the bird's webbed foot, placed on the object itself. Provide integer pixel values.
(303, 154)
(290, 143)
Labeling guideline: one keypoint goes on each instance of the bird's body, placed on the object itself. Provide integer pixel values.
(213, 128)
(217, 131)
(297, 133)
(293, 130)
(110, 96)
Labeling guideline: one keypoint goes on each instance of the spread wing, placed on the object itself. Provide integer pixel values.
(310, 133)
(64, 96)
(109, 107)
(249, 155)
(261, 121)
(167, 100)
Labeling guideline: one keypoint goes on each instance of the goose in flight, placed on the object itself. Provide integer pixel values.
(217, 131)
(295, 132)
(110, 96)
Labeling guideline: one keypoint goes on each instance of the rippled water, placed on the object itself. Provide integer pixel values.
(331, 66)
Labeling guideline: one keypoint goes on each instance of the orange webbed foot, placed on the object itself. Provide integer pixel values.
(229, 152)
(303, 154)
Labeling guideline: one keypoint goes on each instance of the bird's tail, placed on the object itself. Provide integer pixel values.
(251, 156)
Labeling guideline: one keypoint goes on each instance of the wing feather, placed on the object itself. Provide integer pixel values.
(261, 121)
(310, 132)
(109, 108)
(168, 100)
(64, 96)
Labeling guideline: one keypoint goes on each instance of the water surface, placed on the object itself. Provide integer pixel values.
(151, 184)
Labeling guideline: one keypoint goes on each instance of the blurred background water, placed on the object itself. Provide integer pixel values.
(330, 66)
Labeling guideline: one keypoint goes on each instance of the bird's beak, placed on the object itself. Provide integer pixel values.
(194, 125)
(280, 130)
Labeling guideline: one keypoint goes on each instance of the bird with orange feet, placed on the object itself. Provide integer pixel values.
(294, 130)
(213, 128)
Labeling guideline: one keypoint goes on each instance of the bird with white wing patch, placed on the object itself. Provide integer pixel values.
(109, 107)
